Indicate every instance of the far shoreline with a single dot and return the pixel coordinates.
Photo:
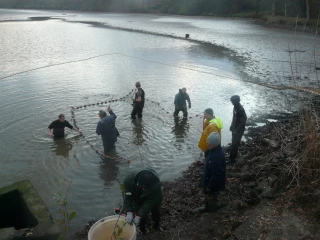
(271, 22)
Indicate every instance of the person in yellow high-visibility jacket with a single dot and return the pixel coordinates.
(210, 124)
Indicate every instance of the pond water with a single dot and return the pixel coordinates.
(30, 100)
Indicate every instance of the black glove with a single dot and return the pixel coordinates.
(189, 106)
(230, 129)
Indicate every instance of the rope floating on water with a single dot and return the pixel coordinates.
(311, 90)
(102, 155)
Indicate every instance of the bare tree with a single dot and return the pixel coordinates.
(257, 6)
(307, 10)
(287, 4)
(274, 2)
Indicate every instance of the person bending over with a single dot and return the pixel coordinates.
(138, 102)
(143, 195)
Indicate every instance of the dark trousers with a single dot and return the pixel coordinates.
(155, 216)
(107, 146)
(183, 109)
(137, 109)
(236, 140)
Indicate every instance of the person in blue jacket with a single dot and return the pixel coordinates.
(214, 177)
(107, 129)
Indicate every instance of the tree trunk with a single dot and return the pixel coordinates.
(274, 7)
(257, 6)
(285, 8)
(307, 10)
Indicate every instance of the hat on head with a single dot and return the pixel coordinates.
(146, 179)
(214, 139)
(235, 99)
(209, 111)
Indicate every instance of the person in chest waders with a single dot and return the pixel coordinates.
(138, 102)
(237, 127)
(143, 195)
(58, 127)
(107, 129)
(210, 124)
(180, 102)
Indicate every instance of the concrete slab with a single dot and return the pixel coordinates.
(27, 204)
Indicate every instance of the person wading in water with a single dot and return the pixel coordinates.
(180, 102)
(138, 102)
(58, 127)
(107, 129)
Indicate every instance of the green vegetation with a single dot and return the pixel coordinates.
(118, 231)
(67, 214)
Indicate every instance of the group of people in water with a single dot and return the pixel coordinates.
(142, 188)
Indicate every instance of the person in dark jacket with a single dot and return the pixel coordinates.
(142, 190)
(138, 102)
(107, 129)
(180, 102)
(214, 176)
(237, 127)
(58, 127)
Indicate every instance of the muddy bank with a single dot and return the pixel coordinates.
(260, 191)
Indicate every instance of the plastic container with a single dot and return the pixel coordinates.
(103, 229)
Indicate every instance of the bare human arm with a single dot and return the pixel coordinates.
(50, 133)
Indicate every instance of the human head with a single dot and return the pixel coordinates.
(213, 140)
(138, 84)
(102, 114)
(146, 179)
(208, 113)
(235, 99)
(61, 118)
(183, 90)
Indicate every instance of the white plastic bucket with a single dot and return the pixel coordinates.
(103, 229)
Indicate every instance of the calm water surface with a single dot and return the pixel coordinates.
(31, 100)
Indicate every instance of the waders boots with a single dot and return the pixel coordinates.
(211, 204)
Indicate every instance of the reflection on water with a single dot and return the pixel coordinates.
(181, 128)
(109, 171)
(62, 146)
(139, 132)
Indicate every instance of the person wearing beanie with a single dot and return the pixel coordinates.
(214, 176)
(210, 124)
(143, 195)
(237, 127)
(138, 102)
(107, 129)
(180, 102)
